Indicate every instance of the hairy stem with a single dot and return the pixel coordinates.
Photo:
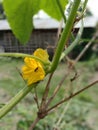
(65, 35)
(19, 96)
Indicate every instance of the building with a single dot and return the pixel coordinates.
(44, 35)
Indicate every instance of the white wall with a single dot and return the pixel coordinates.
(93, 5)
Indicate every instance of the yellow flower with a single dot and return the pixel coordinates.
(42, 54)
(32, 71)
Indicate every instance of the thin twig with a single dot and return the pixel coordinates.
(61, 10)
(62, 115)
(84, 6)
(59, 86)
(73, 95)
(63, 14)
(56, 90)
(87, 46)
(34, 123)
(66, 106)
(58, 33)
(44, 98)
(77, 59)
(20, 74)
(36, 98)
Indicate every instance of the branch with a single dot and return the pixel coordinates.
(62, 116)
(64, 54)
(87, 46)
(45, 95)
(84, 5)
(71, 96)
(36, 98)
(56, 90)
(59, 32)
(34, 123)
(61, 10)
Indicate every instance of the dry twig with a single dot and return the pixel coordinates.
(72, 95)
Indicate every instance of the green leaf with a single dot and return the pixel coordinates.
(52, 9)
(19, 14)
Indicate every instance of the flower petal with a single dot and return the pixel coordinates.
(42, 54)
(32, 71)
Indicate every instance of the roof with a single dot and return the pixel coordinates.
(50, 23)
(89, 22)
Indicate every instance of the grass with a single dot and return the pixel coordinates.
(82, 112)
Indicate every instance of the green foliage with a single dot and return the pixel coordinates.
(20, 14)
(52, 9)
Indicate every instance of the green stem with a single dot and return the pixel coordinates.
(65, 34)
(76, 41)
(22, 55)
(84, 5)
(61, 10)
(63, 15)
(5, 109)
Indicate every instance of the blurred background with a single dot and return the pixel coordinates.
(80, 113)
